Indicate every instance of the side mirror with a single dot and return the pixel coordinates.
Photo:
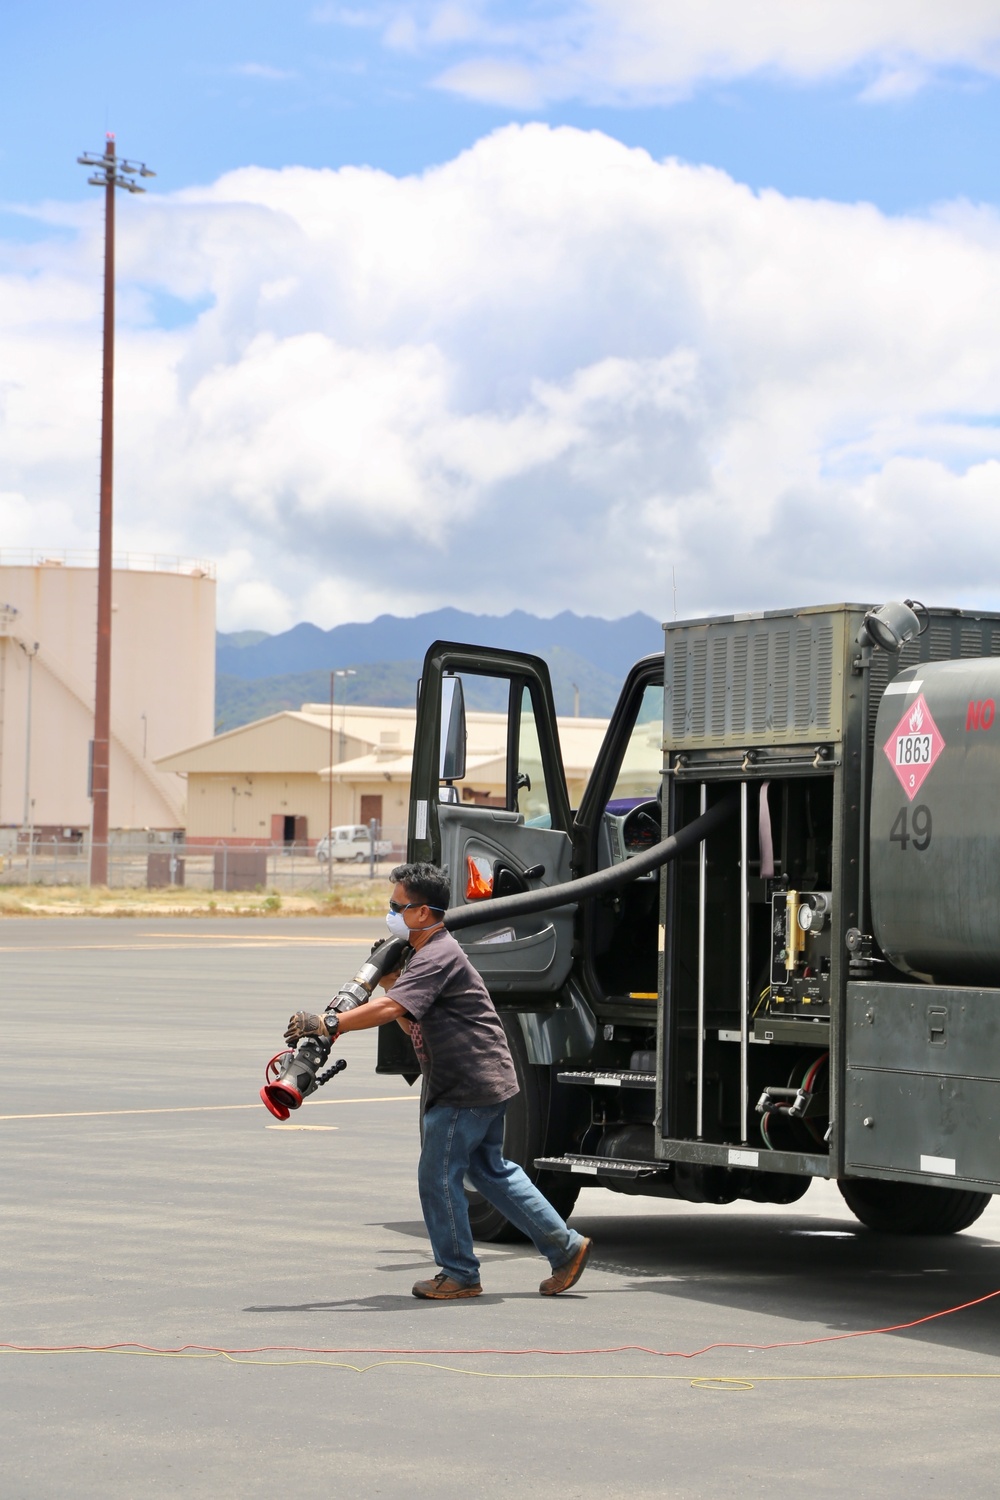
(452, 764)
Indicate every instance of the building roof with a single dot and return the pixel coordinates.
(373, 743)
(294, 742)
(580, 741)
(400, 767)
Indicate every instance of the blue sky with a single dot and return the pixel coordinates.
(202, 88)
(409, 301)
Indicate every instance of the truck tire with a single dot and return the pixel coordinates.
(911, 1207)
(524, 1138)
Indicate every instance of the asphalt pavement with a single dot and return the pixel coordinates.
(149, 1199)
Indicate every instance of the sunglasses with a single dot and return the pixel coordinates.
(397, 908)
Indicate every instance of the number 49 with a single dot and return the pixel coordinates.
(919, 831)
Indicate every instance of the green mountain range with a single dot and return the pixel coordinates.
(259, 674)
(393, 684)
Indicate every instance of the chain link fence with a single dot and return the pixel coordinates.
(151, 861)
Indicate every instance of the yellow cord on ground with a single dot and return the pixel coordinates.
(735, 1384)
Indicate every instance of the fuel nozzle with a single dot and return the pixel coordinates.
(293, 1075)
(385, 958)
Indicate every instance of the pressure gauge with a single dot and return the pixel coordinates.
(811, 920)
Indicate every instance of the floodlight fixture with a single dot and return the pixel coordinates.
(892, 625)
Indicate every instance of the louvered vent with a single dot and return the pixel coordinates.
(786, 678)
(743, 682)
(680, 689)
(758, 686)
(699, 686)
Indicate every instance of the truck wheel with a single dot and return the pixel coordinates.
(911, 1207)
(524, 1138)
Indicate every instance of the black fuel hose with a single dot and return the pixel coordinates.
(598, 884)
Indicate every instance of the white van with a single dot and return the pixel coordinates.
(351, 841)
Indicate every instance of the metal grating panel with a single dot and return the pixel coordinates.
(802, 717)
(758, 687)
(699, 688)
(720, 659)
(779, 681)
(751, 681)
(740, 646)
(786, 678)
(680, 684)
(823, 711)
(940, 640)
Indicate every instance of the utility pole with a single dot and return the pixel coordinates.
(110, 172)
(337, 672)
(30, 652)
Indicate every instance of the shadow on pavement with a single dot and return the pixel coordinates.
(810, 1270)
(387, 1302)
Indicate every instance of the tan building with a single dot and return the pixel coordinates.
(486, 761)
(162, 685)
(271, 781)
(262, 783)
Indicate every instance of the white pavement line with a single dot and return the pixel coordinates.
(261, 937)
(202, 1109)
(194, 944)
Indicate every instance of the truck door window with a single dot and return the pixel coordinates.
(487, 712)
(532, 795)
(638, 778)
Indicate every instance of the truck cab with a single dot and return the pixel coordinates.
(700, 1030)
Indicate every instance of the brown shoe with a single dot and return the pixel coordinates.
(443, 1289)
(568, 1275)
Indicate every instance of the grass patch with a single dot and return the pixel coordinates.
(362, 898)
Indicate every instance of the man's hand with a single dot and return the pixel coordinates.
(388, 980)
(304, 1023)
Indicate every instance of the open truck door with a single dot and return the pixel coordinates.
(488, 802)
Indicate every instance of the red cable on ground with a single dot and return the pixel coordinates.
(829, 1338)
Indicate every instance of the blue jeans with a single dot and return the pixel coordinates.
(460, 1143)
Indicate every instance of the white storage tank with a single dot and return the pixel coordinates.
(162, 684)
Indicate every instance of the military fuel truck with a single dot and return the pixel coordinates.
(765, 945)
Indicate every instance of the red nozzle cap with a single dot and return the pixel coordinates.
(280, 1100)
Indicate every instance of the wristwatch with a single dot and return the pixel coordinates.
(332, 1023)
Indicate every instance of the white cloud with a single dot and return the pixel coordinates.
(264, 71)
(654, 51)
(543, 375)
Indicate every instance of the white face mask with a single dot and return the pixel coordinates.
(396, 923)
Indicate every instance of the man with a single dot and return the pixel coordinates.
(442, 1002)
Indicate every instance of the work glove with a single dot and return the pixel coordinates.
(304, 1023)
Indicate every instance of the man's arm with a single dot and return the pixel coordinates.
(360, 1018)
(387, 981)
(374, 1013)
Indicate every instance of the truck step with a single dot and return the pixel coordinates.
(612, 1080)
(603, 1166)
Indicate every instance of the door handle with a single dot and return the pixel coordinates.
(508, 881)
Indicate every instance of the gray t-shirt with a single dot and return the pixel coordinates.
(456, 1033)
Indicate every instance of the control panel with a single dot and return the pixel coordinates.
(800, 954)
